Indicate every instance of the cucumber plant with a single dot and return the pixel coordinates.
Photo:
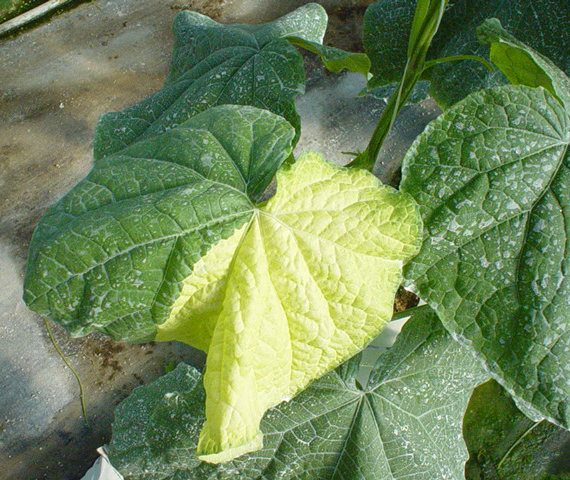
(166, 239)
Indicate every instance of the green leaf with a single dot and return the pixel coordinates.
(542, 24)
(405, 424)
(504, 444)
(112, 254)
(334, 58)
(217, 64)
(491, 176)
(521, 64)
(306, 284)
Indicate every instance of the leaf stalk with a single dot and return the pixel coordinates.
(64, 358)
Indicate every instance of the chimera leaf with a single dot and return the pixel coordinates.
(112, 254)
(305, 285)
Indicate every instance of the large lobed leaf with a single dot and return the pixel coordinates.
(307, 283)
(111, 255)
(404, 424)
(216, 64)
(162, 242)
(543, 24)
(492, 177)
(505, 444)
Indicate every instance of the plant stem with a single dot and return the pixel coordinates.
(409, 311)
(64, 358)
(426, 21)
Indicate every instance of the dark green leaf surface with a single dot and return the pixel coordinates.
(216, 64)
(504, 444)
(491, 176)
(386, 31)
(542, 24)
(406, 423)
(111, 254)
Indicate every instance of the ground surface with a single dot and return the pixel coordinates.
(55, 81)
